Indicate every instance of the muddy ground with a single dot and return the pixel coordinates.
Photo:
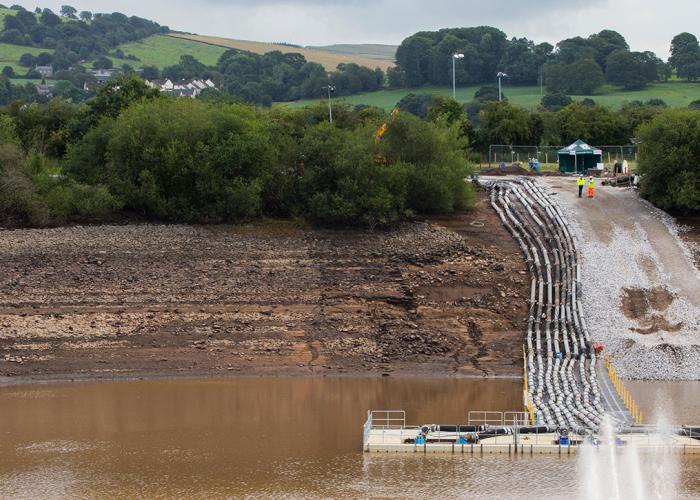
(445, 297)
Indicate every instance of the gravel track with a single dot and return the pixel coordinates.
(628, 247)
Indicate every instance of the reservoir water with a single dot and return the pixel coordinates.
(269, 438)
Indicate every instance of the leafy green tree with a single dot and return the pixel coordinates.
(111, 99)
(488, 93)
(48, 18)
(695, 104)
(414, 57)
(626, 70)
(636, 114)
(416, 104)
(20, 202)
(501, 123)
(522, 60)
(685, 56)
(43, 59)
(8, 131)
(188, 67)
(574, 49)
(445, 110)
(26, 60)
(396, 77)
(597, 125)
(150, 73)
(436, 165)
(605, 43)
(670, 160)
(8, 72)
(103, 62)
(583, 76)
(68, 11)
(555, 101)
(86, 15)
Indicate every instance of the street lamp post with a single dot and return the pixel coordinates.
(454, 74)
(330, 89)
(500, 93)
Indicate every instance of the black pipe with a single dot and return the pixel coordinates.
(459, 428)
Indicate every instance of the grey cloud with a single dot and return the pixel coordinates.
(645, 24)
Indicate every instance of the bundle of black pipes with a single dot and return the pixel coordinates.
(561, 375)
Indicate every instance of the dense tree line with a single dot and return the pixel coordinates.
(275, 76)
(575, 66)
(72, 39)
(558, 121)
(133, 150)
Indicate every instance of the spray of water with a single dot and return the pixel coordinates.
(642, 469)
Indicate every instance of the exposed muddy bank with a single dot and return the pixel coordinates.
(445, 297)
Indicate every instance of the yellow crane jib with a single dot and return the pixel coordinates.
(380, 132)
(385, 126)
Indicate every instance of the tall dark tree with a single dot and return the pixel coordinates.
(685, 56)
(68, 11)
(626, 70)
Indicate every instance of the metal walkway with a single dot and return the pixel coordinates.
(614, 406)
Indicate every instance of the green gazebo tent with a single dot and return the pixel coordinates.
(579, 157)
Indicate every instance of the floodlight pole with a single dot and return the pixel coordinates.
(454, 74)
(500, 93)
(330, 88)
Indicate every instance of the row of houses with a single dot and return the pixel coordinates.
(182, 88)
(191, 88)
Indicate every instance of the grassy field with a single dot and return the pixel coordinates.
(4, 12)
(678, 94)
(163, 50)
(329, 60)
(10, 54)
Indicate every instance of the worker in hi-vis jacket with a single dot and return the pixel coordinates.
(581, 183)
(591, 187)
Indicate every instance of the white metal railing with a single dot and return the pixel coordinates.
(498, 418)
(387, 419)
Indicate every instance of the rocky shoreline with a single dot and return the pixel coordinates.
(441, 297)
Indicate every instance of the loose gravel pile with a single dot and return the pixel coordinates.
(659, 355)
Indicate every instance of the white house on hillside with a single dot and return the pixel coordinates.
(182, 88)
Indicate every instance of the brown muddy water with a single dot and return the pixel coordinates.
(261, 438)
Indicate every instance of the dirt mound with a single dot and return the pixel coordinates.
(644, 305)
(508, 170)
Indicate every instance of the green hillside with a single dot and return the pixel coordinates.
(162, 51)
(10, 54)
(678, 94)
(4, 12)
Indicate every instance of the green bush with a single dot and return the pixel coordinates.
(670, 160)
(180, 159)
(20, 202)
(345, 182)
(196, 161)
(70, 201)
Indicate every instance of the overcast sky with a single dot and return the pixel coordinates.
(647, 24)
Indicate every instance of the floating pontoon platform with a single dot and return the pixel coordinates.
(387, 432)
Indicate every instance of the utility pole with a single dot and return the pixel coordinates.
(330, 89)
(454, 74)
(500, 93)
